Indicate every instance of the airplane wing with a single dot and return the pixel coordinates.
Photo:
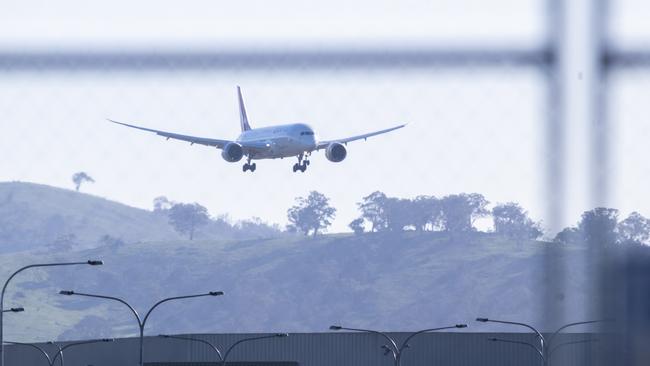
(191, 139)
(324, 144)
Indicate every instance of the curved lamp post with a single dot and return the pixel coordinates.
(542, 340)
(52, 360)
(392, 346)
(4, 289)
(223, 358)
(539, 351)
(198, 340)
(544, 350)
(552, 350)
(61, 349)
(141, 321)
(39, 349)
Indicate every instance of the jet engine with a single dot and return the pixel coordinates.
(232, 152)
(336, 152)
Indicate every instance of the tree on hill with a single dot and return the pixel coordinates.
(459, 211)
(311, 213)
(372, 209)
(395, 214)
(599, 226)
(357, 226)
(634, 229)
(512, 221)
(187, 217)
(81, 177)
(568, 236)
(426, 213)
(399, 213)
(161, 204)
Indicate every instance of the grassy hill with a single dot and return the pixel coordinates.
(399, 281)
(34, 215)
(396, 281)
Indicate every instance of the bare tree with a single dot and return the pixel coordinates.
(81, 177)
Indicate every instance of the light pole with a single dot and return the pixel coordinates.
(539, 351)
(13, 310)
(223, 358)
(544, 349)
(61, 349)
(39, 349)
(141, 321)
(198, 340)
(4, 289)
(52, 360)
(392, 346)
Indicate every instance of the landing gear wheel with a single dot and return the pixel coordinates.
(301, 164)
(246, 167)
(252, 167)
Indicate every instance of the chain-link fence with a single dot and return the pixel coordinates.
(508, 111)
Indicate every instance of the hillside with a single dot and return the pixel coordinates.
(34, 215)
(388, 281)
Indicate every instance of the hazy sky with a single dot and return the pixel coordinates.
(471, 130)
(260, 22)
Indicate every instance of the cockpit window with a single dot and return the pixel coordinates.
(308, 133)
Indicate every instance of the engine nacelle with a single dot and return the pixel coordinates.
(336, 152)
(232, 152)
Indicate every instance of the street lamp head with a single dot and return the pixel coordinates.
(17, 310)
(66, 292)
(281, 335)
(95, 262)
(482, 320)
(215, 293)
(461, 325)
(336, 327)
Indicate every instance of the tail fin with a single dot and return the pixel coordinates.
(243, 119)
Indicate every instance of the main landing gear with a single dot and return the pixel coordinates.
(301, 164)
(249, 166)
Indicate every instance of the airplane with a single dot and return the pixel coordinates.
(281, 141)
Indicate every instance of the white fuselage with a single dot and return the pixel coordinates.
(284, 140)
